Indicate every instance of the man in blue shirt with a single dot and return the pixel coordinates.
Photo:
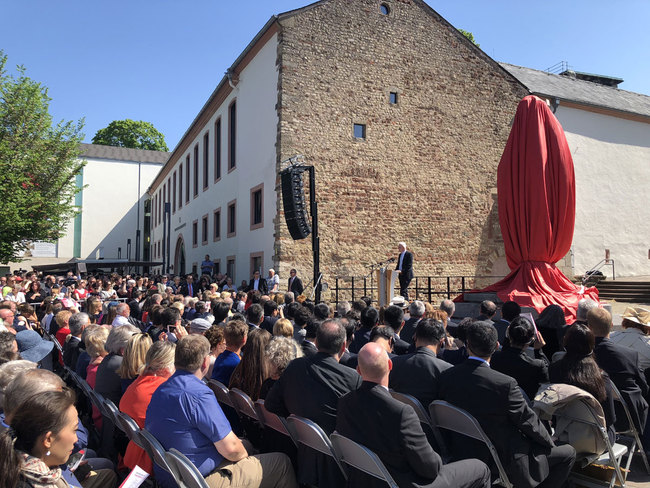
(235, 333)
(184, 414)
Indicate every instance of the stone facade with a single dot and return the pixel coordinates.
(426, 171)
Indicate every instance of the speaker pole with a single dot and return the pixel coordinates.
(315, 241)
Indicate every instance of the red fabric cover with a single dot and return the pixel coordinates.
(536, 194)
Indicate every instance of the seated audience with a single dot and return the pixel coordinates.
(215, 334)
(636, 327)
(108, 382)
(551, 323)
(347, 358)
(236, 334)
(513, 359)
(578, 368)
(32, 347)
(308, 344)
(280, 351)
(159, 366)
(416, 312)
(509, 310)
(417, 374)
(254, 316)
(321, 375)
(283, 328)
(73, 346)
(529, 455)
(458, 354)
(252, 370)
(133, 359)
(184, 414)
(487, 310)
(8, 347)
(369, 319)
(371, 417)
(8, 371)
(394, 318)
(271, 315)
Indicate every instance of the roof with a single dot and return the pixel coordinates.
(123, 153)
(581, 91)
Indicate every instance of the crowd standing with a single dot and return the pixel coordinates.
(151, 344)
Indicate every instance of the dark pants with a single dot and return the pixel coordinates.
(468, 473)
(560, 462)
(403, 286)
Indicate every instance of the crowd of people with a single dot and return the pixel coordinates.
(150, 345)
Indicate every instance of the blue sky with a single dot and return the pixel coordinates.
(159, 60)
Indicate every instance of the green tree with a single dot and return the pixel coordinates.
(38, 165)
(135, 134)
(470, 36)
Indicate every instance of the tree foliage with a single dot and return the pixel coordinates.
(470, 36)
(38, 165)
(135, 134)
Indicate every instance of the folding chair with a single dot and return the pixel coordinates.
(221, 392)
(190, 476)
(112, 412)
(631, 431)
(248, 415)
(311, 435)
(446, 416)
(425, 420)
(156, 452)
(361, 458)
(272, 421)
(127, 425)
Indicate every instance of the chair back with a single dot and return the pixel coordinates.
(272, 421)
(190, 476)
(446, 416)
(243, 404)
(112, 411)
(156, 452)
(361, 458)
(127, 425)
(221, 392)
(310, 434)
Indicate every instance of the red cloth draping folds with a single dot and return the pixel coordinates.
(536, 195)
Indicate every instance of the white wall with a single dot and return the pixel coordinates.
(611, 156)
(256, 95)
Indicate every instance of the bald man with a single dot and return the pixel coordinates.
(392, 430)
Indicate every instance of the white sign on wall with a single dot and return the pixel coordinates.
(43, 249)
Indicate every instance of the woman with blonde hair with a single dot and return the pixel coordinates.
(283, 328)
(133, 361)
(158, 367)
(94, 309)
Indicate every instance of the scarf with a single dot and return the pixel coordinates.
(36, 473)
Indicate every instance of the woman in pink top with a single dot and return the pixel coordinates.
(159, 366)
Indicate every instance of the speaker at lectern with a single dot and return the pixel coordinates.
(386, 279)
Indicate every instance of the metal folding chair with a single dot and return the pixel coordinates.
(272, 421)
(190, 476)
(360, 457)
(156, 452)
(221, 391)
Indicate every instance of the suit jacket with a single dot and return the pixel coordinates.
(308, 348)
(622, 365)
(184, 289)
(349, 359)
(268, 323)
(407, 265)
(361, 338)
(326, 381)
(417, 375)
(71, 351)
(401, 346)
(296, 287)
(262, 287)
(407, 332)
(391, 429)
(528, 372)
(501, 326)
(496, 402)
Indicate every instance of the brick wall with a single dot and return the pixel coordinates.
(426, 173)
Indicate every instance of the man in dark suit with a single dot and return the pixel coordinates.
(394, 317)
(371, 417)
(622, 365)
(348, 358)
(255, 316)
(417, 374)
(295, 283)
(515, 361)
(487, 311)
(509, 310)
(416, 311)
(73, 346)
(257, 283)
(311, 386)
(405, 266)
(270, 316)
(189, 288)
(308, 344)
(369, 319)
(529, 455)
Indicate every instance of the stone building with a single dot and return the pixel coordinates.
(402, 117)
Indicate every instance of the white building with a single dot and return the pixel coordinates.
(608, 131)
(114, 184)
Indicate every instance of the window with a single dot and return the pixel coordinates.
(206, 140)
(195, 233)
(174, 193)
(217, 149)
(217, 266)
(155, 208)
(384, 9)
(392, 98)
(359, 131)
(257, 199)
(216, 224)
(204, 230)
(230, 267)
(232, 136)
(180, 185)
(187, 179)
(169, 190)
(257, 261)
(196, 170)
(232, 228)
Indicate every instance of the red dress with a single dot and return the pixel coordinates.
(60, 335)
(134, 403)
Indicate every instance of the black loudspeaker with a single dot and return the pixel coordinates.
(293, 199)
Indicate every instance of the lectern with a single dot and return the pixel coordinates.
(386, 285)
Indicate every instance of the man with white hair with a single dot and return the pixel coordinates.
(584, 306)
(72, 347)
(405, 267)
(416, 311)
(272, 282)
